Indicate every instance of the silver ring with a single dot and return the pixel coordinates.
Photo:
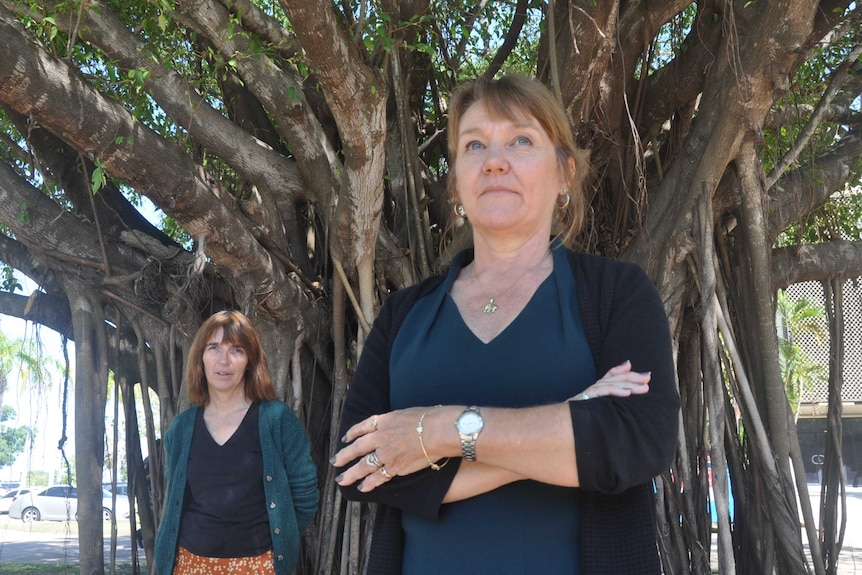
(374, 423)
(372, 459)
(385, 473)
(584, 395)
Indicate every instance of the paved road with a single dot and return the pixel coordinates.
(20, 546)
(850, 559)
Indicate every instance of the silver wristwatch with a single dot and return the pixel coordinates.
(469, 424)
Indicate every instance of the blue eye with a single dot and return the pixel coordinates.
(474, 145)
(523, 141)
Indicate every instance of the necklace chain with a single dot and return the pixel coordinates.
(491, 306)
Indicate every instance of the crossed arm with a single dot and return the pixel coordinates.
(528, 443)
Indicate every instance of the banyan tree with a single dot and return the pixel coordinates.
(293, 153)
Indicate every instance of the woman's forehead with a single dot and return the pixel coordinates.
(498, 109)
(224, 334)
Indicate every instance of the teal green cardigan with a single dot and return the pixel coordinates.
(289, 482)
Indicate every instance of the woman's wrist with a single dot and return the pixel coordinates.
(420, 429)
(440, 435)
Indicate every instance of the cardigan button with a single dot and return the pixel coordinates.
(276, 531)
(272, 505)
(280, 557)
(269, 477)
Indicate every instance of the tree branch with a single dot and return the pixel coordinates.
(188, 107)
(839, 77)
(357, 97)
(817, 262)
(101, 128)
(281, 93)
(511, 39)
(803, 190)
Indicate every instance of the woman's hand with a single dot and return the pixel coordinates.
(620, 381)
(386, 445)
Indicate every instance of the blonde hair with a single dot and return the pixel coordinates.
(238, 330)
(510, 97)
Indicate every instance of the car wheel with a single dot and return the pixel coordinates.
(30, 514)
(106, 514)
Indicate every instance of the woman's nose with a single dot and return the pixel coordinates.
(495, 160)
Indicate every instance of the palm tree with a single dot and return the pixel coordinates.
(797, 319)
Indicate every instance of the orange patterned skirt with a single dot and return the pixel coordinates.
(188, 563)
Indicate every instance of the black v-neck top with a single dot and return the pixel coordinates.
(224, 514)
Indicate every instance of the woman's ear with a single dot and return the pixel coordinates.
(572, 169)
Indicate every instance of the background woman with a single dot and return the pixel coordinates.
(241, 483)
(544, 376)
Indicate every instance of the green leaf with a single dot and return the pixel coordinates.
(98, 178)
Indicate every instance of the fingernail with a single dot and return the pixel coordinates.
(332, 460)
(361, 487)
(344, 439)
(339, 477)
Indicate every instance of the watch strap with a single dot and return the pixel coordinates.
(468, 447)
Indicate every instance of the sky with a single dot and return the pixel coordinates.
(41, 409)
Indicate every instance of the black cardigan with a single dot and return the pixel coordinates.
(622, 443)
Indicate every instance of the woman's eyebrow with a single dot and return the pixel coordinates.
(517, 125)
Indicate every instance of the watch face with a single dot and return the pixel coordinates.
(470, 422)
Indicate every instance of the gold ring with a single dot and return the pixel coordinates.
(374, 423)
(385, 473)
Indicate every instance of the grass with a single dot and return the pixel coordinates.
(69, 528)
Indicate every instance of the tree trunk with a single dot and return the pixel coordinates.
(833, 491)
(91, 375)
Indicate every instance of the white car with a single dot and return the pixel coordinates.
(59, 503)
(9, 497)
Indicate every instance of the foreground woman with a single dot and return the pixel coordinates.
(509, 416)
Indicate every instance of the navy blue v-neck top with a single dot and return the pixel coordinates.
(541, 357)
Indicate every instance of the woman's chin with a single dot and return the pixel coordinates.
(499, 219)
(506, 225)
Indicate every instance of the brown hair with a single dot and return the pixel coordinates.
(515, 96)
(238, 330)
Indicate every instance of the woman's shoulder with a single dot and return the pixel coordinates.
(598, 262)
(404, 298)
(185, 417)
(603, 269)
(408, 295)
(180, 429)
(274, 411)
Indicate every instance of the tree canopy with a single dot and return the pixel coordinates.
(296, 153)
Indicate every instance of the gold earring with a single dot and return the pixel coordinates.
(565, 204)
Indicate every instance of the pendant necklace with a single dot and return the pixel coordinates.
(491, 306)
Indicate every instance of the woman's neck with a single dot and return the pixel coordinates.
(223, 404)
(508, 254)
